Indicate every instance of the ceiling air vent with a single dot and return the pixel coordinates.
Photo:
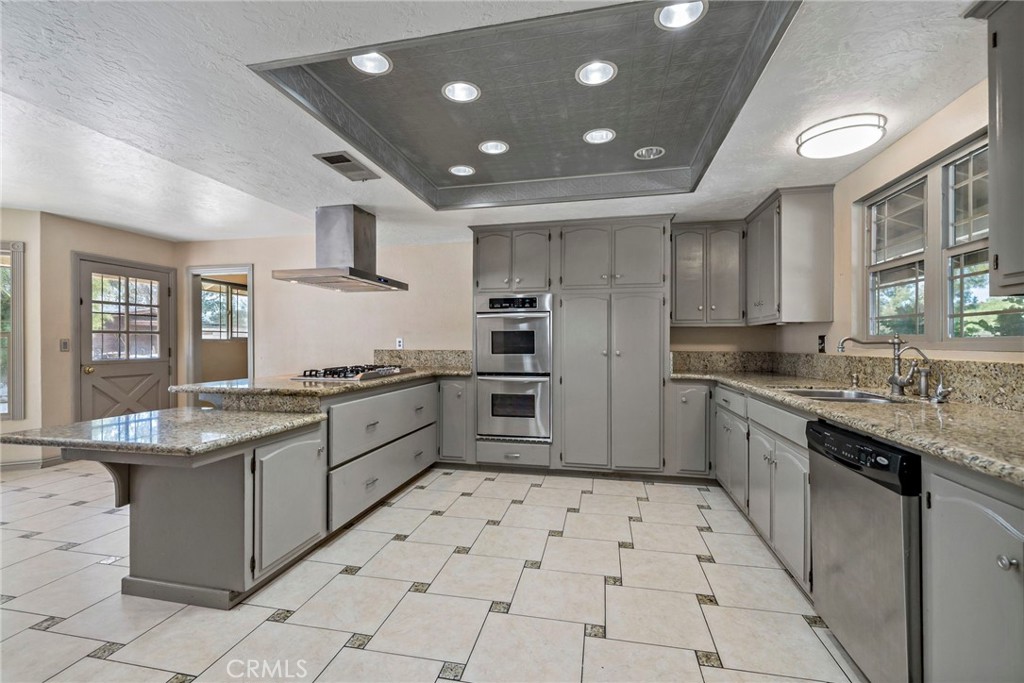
(347, 166)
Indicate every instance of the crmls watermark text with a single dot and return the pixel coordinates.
(265, 668)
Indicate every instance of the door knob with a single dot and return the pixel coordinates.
(88, 369)
(1006, 564)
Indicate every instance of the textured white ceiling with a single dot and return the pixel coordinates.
(99, 89)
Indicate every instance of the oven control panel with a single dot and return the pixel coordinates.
(513, 302)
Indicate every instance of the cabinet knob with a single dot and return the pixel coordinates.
(605, 352)
(700, 308)
(618, 275)
(1006, 564)
(604, 276)
(712, 307)
(518, 280)
(505, 281)
(459, 395)
(682, 399)
(618, 353)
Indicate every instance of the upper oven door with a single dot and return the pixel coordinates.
(513, 343)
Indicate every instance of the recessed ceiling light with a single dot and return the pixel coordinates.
(461, 91)
(680, 15)
(596, 72)
(371, 63)
(493, 147)
(648, 153)
(841, 136)
(599, 136)
(462, 169)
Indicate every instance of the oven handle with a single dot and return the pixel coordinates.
(514, 315)
(522, 380)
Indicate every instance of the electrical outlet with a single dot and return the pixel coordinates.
(65, 345)
(821, 343)
(399, 343)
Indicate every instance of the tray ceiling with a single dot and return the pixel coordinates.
(680, 90)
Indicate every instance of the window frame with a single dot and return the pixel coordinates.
(230, 288)
(16, 348)
(936, 255)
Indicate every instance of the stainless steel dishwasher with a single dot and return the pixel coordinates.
(866, 549)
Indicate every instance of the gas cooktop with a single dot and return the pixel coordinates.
(351, 373)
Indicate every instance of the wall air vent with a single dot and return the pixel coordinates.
(347, 166)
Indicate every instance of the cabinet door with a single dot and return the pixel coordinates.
(639, 255)
(586, 257)
(754, 304)
(688, 276)
(722, 466)
(290, 490)
(530, 259)
(637, 333)
(973, 609)
(584, 389)
(738, 459)
(790, 499)
(725, 298)
(686, 428)
(454, 419)
(768, 264)
(494, 261)
(761, 456)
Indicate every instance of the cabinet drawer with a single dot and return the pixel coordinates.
(367, 423)
(358, 485)
(731, 400)
(508, 453)
(782, 422)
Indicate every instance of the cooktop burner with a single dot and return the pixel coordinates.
(352, 373)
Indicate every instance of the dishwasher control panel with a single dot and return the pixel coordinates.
(895, 469)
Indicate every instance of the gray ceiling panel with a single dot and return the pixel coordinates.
(680, 90)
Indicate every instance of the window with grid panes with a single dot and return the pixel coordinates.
(896, 283)
(224, 310)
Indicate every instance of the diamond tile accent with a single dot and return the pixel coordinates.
(556, 534)
(350, 570)
(49, 495)
(281, 615)
(447, 474)
(707, 559)
(111, 511)
(419, 487)
(67, 546)
(703, 507)
(643, 500)
(535, 485)
(452, 671)
(5, 598)
(501, 607)
(105, 650)
(359, 641)
(437, 513)
(703, 488)
(490, 478)
(113, 559)
(419, 587)
(532, 564)
(387, 504)
(467, 493)
(704, 529)
(594, 631)
(46, 624)
(30, 534)
(588, 492)
(493, 522)
(576, 510)
(709, 659)
(815, 621)
(613, 580)
(461, 550)
(517, 502)
(626, 544)
(704, 599)
(634, 518)
(181, 678)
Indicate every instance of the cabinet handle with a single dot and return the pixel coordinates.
(725, 401)
(1006, 564)
(419, 408)
(417, 454)
(373, 424)
(513, 455)
(371, 482)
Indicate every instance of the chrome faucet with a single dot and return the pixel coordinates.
(923, 373)
(896, 382)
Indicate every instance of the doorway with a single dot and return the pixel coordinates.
(125, 336)
(220, 323)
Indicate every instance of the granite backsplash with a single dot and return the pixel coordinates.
(980, 383)
(424, 359)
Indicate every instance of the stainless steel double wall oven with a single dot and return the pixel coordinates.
(513, 366)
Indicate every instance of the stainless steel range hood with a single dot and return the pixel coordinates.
(346, 253)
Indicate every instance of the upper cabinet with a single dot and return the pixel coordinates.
(789, 258)
(626, 254)
(707, 274)
(1006, 147)
(512, 260)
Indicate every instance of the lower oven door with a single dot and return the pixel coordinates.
(517, 407)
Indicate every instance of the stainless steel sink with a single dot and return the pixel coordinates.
(844, 395)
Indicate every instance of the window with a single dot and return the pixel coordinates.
(225, 310)
(12, 332)
(125, 317)
(922, 240)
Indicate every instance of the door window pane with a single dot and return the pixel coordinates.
(897, 300)
(898, 224)
(125, 318)
(973, 313)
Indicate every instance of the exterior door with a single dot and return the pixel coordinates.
(584, 389)
(639, 256)
(688, 287)
(586, 257)
(762, 456)
(530, 257)
(637, 331)
(494, 261)
(724, 295)
(125, 316)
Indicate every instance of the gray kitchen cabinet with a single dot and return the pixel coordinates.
(584, 406)
(759, 493)
(972, 584)
(624, 253)
(707, 274)
(455, 419)
(636, 358)
(789, 258)
(493, 261)
(530, 259)
(586, 257)
(686, 421)
(731, 454)
(638, 255)
(791, 508)
(290, 496)
(512, 260)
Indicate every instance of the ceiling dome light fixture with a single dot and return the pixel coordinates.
(461, 91)
(841, 136)
(462, 170)
(493, 147)
(373, 63)
(648, 153)
(597, 72)
(680, 15)
(599, 136)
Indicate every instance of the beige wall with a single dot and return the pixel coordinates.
(760, 338)
(954, 124)
(223, 359)
(23, 226)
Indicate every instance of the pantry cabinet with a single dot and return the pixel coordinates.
(686, 428)
(602, 255)
(789, 258)
(512, 260)
(707, 274)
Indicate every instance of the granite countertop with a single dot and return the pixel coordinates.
(981, 438)
(184, 432)
(284, 385)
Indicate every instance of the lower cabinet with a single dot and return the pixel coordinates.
(686, 420)
(455, 418)
(290, 496)
(731, 454)
(972, 546)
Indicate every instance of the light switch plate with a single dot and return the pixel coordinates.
(65, 346)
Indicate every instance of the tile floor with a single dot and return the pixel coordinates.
(464, 575)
